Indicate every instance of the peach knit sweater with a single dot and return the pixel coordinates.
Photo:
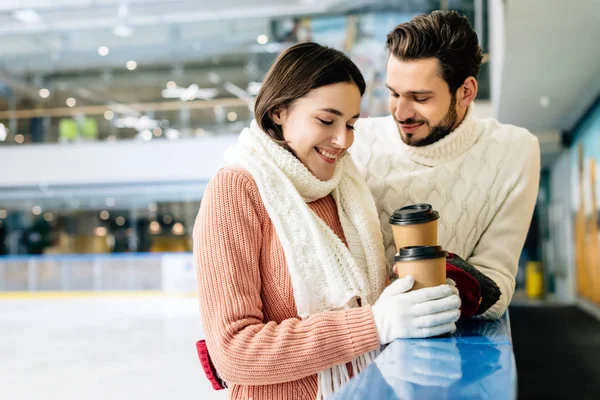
(255, 338)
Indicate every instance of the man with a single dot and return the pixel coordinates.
(482, 176)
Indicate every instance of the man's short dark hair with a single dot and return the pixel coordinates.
(445, 35)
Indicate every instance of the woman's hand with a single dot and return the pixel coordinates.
(418, 314)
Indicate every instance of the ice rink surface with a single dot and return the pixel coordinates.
(101, 348)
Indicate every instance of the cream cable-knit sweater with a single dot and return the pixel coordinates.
(483, 178)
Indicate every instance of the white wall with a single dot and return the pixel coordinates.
(496, 17)
(116, 162)
(561, 259)
(550, 49)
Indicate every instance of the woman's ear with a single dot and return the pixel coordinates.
(278, 115)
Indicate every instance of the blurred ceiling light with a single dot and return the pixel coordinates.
(19, 138)
(172, 133)
(44, 93)
(140, 124)
(131, 65)
(232, 116)
(100, 231)
(48, 217)
(146, 135)
(108, 115)
(152, 207)
(119, 108)
(120, 123)
(104, 215)
(213, 77)
(127, 122)
(157, 131)
(3, 132)
(253, 88)
(71, 102)
(262, 39)
(36, 210)
(154, 227)
(146, 123)
(122, 30)
(171, 85)
(191, 93)
(27, 16)
(120, 221)
(103, 50)
(178, 229)
(239, 92)
(3, 214)
(110, 202)
(545, 101)
(167, 219)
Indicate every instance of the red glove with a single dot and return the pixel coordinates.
(477, 291)
(208, 367)
(468, 289)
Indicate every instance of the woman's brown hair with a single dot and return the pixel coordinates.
(298, 70)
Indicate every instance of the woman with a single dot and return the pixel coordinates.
(288, 244)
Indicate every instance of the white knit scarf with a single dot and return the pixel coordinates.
(326, 275)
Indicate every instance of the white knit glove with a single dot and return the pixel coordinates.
(418, 314)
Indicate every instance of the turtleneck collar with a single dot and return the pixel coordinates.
(456, 143)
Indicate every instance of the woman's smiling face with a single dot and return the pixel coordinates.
(319, 127)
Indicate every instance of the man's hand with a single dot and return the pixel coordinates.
(477, 291)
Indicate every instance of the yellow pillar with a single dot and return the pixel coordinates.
(534, 280)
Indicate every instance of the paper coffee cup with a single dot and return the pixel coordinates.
(415, 225)
(426, 264)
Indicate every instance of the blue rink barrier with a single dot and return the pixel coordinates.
(476, 362)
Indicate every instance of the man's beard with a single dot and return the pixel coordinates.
(436, 133)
